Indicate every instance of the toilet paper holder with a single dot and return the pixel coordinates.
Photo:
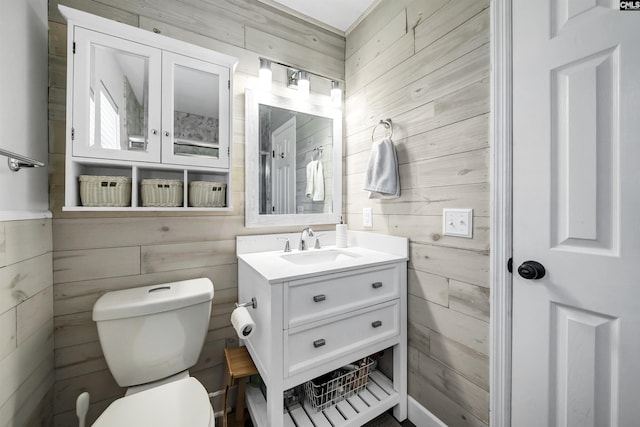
(253, 304)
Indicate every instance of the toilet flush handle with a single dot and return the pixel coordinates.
(82, 407)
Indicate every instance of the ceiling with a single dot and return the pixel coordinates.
(339, 14)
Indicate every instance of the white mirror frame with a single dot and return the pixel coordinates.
(253, 100)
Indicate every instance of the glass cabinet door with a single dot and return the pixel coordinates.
(116, 98)
(195, 112)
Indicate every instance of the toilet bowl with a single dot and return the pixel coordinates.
(150, 337)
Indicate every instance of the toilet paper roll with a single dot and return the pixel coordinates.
(242, 322)
(341, 235)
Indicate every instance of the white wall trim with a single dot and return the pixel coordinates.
(501, 213)
(421, 416)
(23, 215)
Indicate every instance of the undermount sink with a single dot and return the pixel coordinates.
(311, 256)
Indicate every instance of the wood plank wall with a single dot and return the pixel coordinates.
(425, 65)
(95, 253)
(26, 323)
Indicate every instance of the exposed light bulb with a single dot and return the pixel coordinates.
(265, 75)
(303, 83)
(336, 94)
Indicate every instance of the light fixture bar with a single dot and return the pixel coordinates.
(294, 76)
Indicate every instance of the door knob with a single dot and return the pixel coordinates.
(531, 270)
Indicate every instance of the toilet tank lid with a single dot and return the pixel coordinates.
(152, 299)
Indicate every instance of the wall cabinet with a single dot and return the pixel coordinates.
(143, 105)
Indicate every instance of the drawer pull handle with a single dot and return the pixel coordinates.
(376, 324)
(376, 285)
(319, 343)
(319, 298)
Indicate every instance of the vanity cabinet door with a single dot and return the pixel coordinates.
(116, 98)
(195, 112)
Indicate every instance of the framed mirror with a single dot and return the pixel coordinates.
(293, 161)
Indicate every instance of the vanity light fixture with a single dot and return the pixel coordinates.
(292, 78)
(336, 94)
(264, 75)
(296, 79)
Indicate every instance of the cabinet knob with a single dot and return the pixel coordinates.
(166, 133)
(154, 131)
(319, 343)
(376, 324)
(376, 285)
(318, 298)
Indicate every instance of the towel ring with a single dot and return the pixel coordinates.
(388, 125)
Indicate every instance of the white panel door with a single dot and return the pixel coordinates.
(283, 171)
(576, 106)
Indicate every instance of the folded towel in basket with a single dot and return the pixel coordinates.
(382, 177)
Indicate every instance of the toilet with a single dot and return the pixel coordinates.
(150, 337)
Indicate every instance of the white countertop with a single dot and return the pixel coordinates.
(274, 266)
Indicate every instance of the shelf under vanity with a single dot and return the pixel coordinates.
(377, 397)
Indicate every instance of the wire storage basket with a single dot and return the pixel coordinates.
(162, 192)
(105, 191)
(329, 389)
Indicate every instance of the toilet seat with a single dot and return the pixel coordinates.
(180, 403)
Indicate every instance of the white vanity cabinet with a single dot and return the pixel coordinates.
(314, 324)
(142, 105)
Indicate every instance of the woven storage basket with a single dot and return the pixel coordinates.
(162, 192)
(207, 194)
(105, 191)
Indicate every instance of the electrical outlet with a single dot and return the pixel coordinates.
(367, 217)
(457, 222)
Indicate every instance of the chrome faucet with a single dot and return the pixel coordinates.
(303, 244)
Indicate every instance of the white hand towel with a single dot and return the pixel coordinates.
(315, 181)
(382, 177)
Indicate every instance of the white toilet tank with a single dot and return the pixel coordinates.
(153, 332)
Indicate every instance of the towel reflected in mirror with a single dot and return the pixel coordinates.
(315, 181)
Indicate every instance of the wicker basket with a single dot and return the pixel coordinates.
(336, 386)
(207, 194)
(162, 192)
(105, 191)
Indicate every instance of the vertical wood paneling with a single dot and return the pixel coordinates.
(433, 83)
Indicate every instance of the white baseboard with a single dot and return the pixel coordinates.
(420, 416)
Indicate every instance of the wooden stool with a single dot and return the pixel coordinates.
(239, 366)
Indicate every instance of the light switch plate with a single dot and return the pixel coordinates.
(457, 222)
(367, 217)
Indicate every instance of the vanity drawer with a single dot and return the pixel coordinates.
(310, 345)
(309, 300)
